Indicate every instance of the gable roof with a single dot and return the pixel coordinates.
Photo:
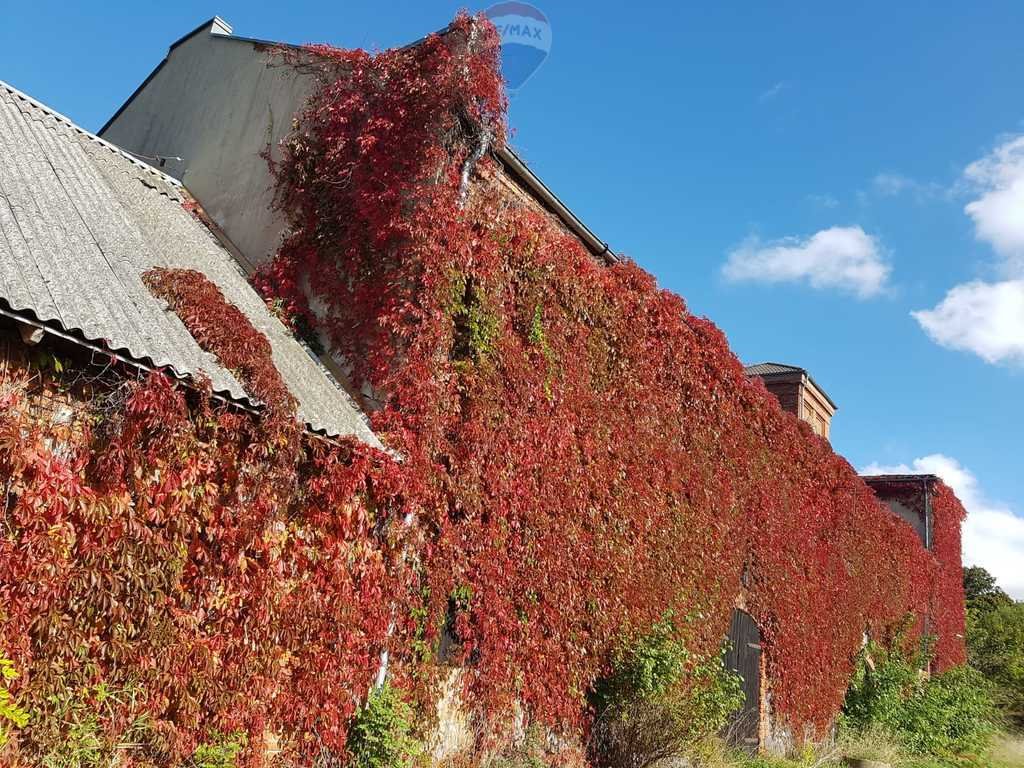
(81, 221)
(217, 29)
(771, 369)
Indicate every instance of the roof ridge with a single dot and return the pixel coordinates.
(902, 476)
(788, 366)
(50, 111)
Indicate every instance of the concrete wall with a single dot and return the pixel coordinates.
(218, 102)
(917, 521)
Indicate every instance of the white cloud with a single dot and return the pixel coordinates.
(993, 536)
(846, 258)
(894, 184)
(998, 213)
(891, 184)
(771, 93)
(984, 318)
(987, 318)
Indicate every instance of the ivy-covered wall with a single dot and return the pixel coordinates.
(586, 453)
(176, 575)
(579, 456)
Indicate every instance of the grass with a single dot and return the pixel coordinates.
(1007, 751)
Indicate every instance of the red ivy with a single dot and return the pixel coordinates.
(580, 454)
(221, 328)
(180, 558)
(947, 615)
(583, 453)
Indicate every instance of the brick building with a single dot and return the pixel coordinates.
(84, 217)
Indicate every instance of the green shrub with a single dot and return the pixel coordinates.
(380, 735)
(948, 714)
(645, 668)
(221, 751)
(11, 715)
(879, 689)
(659, 700)
(995, 647)
(981, 592)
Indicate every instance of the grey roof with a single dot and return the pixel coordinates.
(771, 369)
(781, 369)
(81, 221)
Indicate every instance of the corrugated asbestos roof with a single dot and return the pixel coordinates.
(769, 369)
(81, 221)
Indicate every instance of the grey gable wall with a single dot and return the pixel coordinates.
(218, 102)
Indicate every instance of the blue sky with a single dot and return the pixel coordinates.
(807, 176)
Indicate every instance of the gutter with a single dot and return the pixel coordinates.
(38, 330)
(543, 193)
(25, 321)
(822, 391)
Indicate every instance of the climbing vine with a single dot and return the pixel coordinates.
(948, 612)
(583, 453)
(220, 327)
(580, 456)
(171, 570)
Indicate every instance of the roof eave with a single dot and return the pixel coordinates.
(905, 478)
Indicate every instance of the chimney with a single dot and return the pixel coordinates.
(219, 27)
(798, 393)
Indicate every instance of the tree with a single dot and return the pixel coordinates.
(981, 590)
(995, 639)
(995, 647)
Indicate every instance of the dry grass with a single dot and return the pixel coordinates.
(874, 745)
(1008, 752)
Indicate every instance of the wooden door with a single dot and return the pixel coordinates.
(743, 656)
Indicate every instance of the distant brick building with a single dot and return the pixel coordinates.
(798, 394)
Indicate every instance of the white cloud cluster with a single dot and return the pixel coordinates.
(891, 184)
(998, 213)
(987, 318)
(993, 536)
(984, 318)
(894, 184)
(846, 258)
